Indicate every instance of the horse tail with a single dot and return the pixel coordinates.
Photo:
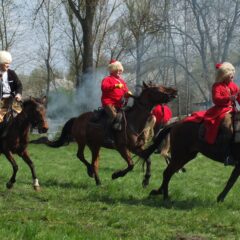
(145, 154)
(65, 136)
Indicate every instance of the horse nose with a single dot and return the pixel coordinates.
(42, 130)
(45, 130)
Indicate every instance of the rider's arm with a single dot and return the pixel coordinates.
(221, 95)
(17, 84)
(108, 84)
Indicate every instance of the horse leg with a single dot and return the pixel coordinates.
(172, 168)
(30, 164)
(95, 163)
(120, 173)
(80, 155)
(12, 180)
(168, 160)
(165, 151)
(147, 175)
(233, 178)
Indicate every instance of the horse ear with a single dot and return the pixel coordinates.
(32, 98)
(44, 100)
(145, 85)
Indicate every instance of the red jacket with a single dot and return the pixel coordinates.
(221, 93)
(110, 94)
(162, 113)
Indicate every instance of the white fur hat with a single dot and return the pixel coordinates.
(115, 65)
(224, 70)
(5, 57)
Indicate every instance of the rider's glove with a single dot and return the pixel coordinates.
(128, 94)
(18, 97)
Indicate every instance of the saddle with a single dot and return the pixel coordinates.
(99, 117)
(221, 138)
(101, 120)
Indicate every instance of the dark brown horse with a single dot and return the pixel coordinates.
(185, 143)
(15, 136)
(129, 139)
(164, 148)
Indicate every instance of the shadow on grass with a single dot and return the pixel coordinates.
(98, 195)
(156, 202)
(64, 185)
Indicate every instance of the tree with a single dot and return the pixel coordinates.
(74, 51)
(9, 23)
(48, 37)
(139, 21)
(84, 11)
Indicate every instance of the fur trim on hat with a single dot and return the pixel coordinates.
(226, 69)
(5, 57)
(114, 66)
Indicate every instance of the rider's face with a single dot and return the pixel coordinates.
(229, 78)
(4, 66)
(117, 73)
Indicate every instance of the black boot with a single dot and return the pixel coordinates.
(108, 134)
(117, 123)
(108, 140)
(229, 159)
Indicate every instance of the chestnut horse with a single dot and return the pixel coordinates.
(129, 139)
(15, 138)
(185, 143)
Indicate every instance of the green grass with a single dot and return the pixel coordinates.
(70, 206)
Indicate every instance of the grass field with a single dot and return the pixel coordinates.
(70, 206)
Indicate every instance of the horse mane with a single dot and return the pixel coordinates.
(136, 99)
(31, 100)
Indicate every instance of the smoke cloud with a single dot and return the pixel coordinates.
(64, 105)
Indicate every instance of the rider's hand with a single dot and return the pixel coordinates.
(118, 85)
(128, 94)
(18, 97)
(233, 98)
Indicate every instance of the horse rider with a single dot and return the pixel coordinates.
(159, 117)
(162, 114)
(225, 93)
(115, 93)
(10, 85)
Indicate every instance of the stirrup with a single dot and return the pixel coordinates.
(117, 126)
(229, 160)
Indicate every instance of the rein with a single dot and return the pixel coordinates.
(141, 106)
(9, 114)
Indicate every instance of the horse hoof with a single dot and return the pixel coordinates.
(154, 193)
(145, 183)
(9, 185)
(37, 188)
(184, 170)
(90, 172)
(114, 176)
(98, 182)
(220, 199)
(117, 175)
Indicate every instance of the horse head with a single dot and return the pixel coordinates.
(36, 111)
(157, 94)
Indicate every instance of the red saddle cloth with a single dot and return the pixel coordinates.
(212, 119)
(223, 104)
